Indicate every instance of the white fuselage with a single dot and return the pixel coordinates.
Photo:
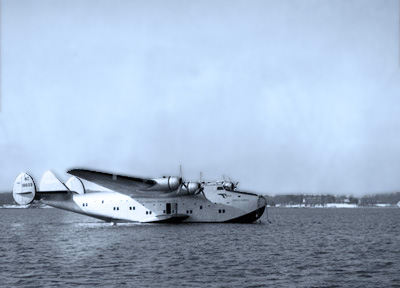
(166, 199)
(214, 206)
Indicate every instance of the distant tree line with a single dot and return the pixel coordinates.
(392, 198)
(6, 198)
(323, 199)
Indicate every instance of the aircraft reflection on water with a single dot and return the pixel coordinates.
(132, 199)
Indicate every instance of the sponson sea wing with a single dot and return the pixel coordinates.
(118, 183)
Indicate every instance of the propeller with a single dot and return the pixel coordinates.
(183, 184)
(187, 185)
(228, 183)
(201, 191)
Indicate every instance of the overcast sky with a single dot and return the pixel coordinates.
(283, 96)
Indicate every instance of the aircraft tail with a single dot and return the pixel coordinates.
(50, 183)
(24, 189)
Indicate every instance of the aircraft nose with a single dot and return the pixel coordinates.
(261, 201)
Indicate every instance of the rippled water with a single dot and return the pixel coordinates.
(300, 247)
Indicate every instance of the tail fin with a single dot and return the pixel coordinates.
(75, 184)
(24, 189)
(50, 183)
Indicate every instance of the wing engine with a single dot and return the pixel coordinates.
(170, 183)
(192, 188)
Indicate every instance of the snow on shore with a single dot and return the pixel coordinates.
(335, 205)
(341, 205)
(13, 206)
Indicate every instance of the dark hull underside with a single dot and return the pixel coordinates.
(248, 218)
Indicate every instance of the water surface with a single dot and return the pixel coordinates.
(299, 248)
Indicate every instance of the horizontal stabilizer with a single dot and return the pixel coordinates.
(50, 183)
(21, 192)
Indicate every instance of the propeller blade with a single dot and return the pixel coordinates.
(179, 189)
(200, 190)
(181, 180)
(183, 184)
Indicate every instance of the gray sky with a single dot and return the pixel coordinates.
(283, 96)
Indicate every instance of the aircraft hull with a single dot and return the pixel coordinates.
(139, 200)
(116, 207)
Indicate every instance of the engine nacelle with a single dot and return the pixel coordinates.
(170, 183)
(229, 186)
(24, 189)
(191, 187)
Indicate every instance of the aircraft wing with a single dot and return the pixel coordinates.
(131, 186)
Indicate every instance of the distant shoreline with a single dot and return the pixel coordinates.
(333, 205)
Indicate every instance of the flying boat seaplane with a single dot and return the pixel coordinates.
(131, 199)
